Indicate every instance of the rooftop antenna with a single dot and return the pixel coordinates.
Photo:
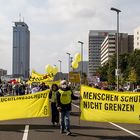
(19, 17)
(23, 19)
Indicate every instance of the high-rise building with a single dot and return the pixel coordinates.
(3, 72)
(125, 43)
(21, 50)
(96, 37)
(108, 47)
(130, 43)
(137, 38)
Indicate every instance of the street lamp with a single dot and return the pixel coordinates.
(68, 61)
(60, 64)
(81, 57)
(68, 64)
(71, 59)
(117, 69)
(59, 76)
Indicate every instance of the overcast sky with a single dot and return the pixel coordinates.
(57, 25)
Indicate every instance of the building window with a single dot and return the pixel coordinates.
(137, 33)
(137, 38)
(137, 43)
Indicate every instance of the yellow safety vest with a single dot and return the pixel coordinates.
(65, 96)
(53, 98)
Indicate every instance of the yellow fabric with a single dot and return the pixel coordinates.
(26, 106)
(53, 98)
(109, 106)
(36, 77)
(65, 96)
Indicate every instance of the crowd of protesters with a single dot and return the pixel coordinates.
(127, 88)
(60, 98)
(20, 88)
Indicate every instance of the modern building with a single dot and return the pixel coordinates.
(126, 44)
(21, 50)
(130, 43)
(3, 72)
(137, 38)
(108, 47)
(96, 37)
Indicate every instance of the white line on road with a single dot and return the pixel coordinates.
(26, 130)
(130, 132)
(126, 130)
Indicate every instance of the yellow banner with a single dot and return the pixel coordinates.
(26, 106)
(39, 78)
(74, 77)
(108, 106)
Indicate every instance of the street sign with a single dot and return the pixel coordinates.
(117, 72)
(74, 77)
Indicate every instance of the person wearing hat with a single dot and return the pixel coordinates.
(64, 98)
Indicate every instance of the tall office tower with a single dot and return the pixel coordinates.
(21, 50)
(96, 37)
(130, 43)
(108, 47)
(137, 38)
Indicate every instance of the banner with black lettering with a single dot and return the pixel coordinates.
(25, 106)
(39, 78)
(109, 106)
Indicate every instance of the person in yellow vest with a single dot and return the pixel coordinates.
(52, 97)
(64, 99)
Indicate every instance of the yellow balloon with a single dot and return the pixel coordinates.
(55, 70)
(33, 71)
(78, 57)
(48, 68)
(75, 64)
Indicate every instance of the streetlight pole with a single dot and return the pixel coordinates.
(68, 61)
(81, 58)
(68, 64)
(60, 64)
(60, 69)
(117, 45)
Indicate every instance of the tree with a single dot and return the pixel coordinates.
(135, 63)
(132, 77)
(129, 65)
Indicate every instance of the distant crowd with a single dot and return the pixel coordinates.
(10, 89)
(22, 88)
(121, 89)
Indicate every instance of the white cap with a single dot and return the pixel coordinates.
(63, 82)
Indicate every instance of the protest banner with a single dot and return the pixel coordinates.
(25, 106)
(109, 106)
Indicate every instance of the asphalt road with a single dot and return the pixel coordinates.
(41, 129)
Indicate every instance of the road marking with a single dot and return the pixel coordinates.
(26, 130)
(126, 130)
(75, 105)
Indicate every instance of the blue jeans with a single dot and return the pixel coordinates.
(65, 120)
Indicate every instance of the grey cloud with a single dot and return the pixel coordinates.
(85, 13)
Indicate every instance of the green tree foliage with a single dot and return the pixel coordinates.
(129, 65)
(132, 77)
(135, 63)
